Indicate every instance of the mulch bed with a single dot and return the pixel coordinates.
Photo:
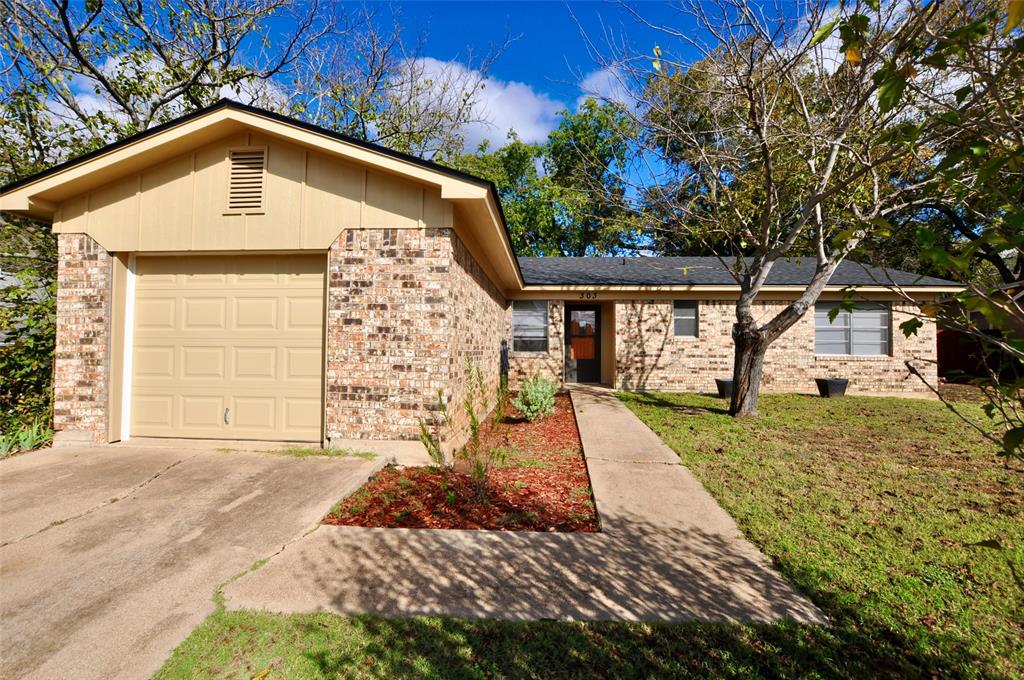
(542, 485)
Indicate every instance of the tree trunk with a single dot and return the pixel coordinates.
(750, 345)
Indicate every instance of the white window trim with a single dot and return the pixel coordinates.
(696, 321)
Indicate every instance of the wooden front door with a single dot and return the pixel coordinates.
(583, 344)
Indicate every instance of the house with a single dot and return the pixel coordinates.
(237, 274)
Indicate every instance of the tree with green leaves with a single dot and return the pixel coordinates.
(566, 196)
(527, 196)
(586, 158)
(969, 224)
(788, 137)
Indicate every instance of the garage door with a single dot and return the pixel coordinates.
(228, 347)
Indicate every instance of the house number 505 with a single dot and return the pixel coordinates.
(588, 295)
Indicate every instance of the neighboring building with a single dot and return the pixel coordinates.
(236, 274)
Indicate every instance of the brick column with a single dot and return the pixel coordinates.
(389, 346)
(82, 361)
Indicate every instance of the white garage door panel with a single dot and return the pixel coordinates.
(228, 347)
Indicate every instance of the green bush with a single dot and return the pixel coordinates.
(26, 360)
(536, 398)
(25, 438)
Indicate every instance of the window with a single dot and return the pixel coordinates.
(530, 326)
(863, 331)
(684, 318)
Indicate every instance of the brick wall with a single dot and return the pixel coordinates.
(480, 314)
(650, 357)
(81, 365)
(405, 309)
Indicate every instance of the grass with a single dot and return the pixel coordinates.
(898, 521)
(248, 644)
(885, 511)
(309, 451)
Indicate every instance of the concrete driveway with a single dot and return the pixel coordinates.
(109, 556)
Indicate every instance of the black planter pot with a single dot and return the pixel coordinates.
(724, 387)
(831, 387)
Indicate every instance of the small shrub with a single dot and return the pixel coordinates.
(431, 439)
(26, 438)
(7, 445)
(480, 460)
(536, 398)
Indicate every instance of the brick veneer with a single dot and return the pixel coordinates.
(81, 360)
(649, 356)
(405, 309)
(480, 315)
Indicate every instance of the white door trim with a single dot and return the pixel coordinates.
(126, 360)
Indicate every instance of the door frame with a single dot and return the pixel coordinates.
(569, 308)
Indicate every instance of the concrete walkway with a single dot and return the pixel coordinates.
(667, 552)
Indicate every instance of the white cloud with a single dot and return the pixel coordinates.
(500, 105)
(606, 85)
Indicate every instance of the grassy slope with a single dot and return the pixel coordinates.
(869, 505)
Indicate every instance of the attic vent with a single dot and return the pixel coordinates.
(245, 187)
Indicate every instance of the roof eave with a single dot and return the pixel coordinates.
(728, 288)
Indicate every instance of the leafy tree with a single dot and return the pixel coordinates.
(568, 195)
(586, 159)
(527, 196)
(974, 231)
(787, 138)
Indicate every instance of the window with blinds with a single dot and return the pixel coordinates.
(684, 318)
(246, 179)
(530, 326)
(864, 330)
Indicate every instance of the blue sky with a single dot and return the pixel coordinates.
(550, 51)
(545, 68)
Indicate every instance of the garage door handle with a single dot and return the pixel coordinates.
(227, 412)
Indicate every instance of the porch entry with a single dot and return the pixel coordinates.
(583, 343)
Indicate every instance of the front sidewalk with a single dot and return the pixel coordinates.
(666, 552)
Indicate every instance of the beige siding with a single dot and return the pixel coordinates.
(310, 197)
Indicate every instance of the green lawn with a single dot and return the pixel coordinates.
(887, 512)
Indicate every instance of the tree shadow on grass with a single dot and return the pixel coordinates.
(460, 648)
(659, 602)
(655, 399)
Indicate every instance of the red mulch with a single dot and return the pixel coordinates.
(542, 486)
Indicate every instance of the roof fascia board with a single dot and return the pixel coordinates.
(532, 289)
(501, 233)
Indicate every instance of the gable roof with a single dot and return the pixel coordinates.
(39, 195)
(238, 106)
(702, 271)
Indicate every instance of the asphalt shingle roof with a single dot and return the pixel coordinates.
(699, 271)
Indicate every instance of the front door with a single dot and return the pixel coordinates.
(583, 344)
